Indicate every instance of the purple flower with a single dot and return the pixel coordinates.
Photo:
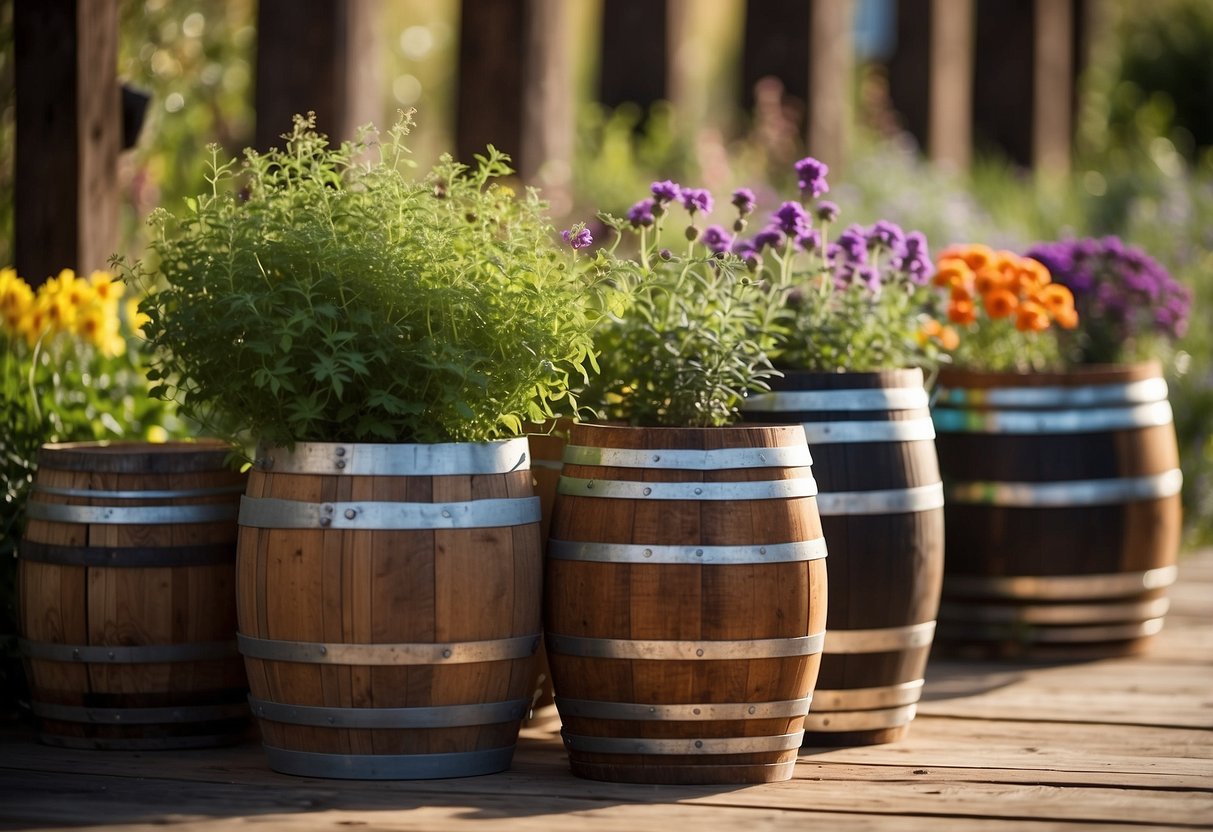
(770, 237)
(827, 211)
(792, 219)
(697, 199)
(578, 237)
(744, 199)
(665, 191)
(887, 235)
(641, 214)
(716, 239)
(852, 247)
(916, 260)
(809, 241)
(811, 176)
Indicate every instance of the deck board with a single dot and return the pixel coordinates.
(1113, 744)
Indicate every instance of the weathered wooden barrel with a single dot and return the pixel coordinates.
(127, 608)
(685, 602)
(881, 505)
(1063, 515)
(389, 604)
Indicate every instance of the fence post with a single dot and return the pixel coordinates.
(1053, 70)
(831, 61)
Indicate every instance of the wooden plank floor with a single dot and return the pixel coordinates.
(1124, 744)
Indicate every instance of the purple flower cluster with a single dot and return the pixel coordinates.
(578, 237)
(871, 256)
(811, 177)
(1120, 291)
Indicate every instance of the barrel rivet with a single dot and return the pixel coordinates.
(699, 743)
(589, 485)
(699, 553)
(332, 720)
(652, 710)
(657, 457)
(699, 652)
(753, 709)
(351, 513)
(762, 550)
(117, 717)
(341, 463)
(762, 457)
(326, 521)
(698, 490)
(446, 513)
(446, 654)
(323, 650)
(110, 654)
(75, 654)
(648, 491)
(327, 508)
(648, 553)
(339, 451)
(695, 711)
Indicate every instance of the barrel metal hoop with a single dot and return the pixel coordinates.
(389, 766)
(1059, 587)
(803, 550)
(695, 746)
(274, 513)
(370, 459)
(1029, 634)
(893, 501)
(1089, 395)
(1068, 492)
(863, 699)
(702, 650)
(131, 515)
(627, 490)
(158, 494)
(832, 721)
(705, 711)
(128, 654)
(144, 557)
(459, 652)
(140, 716)
(448, 716)
(890, 398)
(1097, 612)
(1093, 420)
(831, 433)
(721, 459)
(880, 640)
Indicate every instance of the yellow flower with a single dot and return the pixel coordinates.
(105, 286)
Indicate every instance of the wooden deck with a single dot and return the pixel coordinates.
(1114, 744)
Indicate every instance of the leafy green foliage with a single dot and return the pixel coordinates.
(332, 299)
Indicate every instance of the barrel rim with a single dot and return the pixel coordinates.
(138, 457)
(1075, 376)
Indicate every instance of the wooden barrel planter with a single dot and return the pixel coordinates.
(685, 602)
(881, 505)
(1063, 516)
(127, 610)
(389, 605)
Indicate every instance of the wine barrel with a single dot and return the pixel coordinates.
(389, 603)
(1063, 516)
(128, 619)
(685, 602)
(881, 506)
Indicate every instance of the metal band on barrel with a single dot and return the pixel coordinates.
(829, 433)
(705, 711)
(397, 460)
(893, 398)
(1057, 614)
(712, 555)
(864, 699)
(830, 721)
(893, 501)
(131, 515)
(140, 716)
(159, 494)
(1068, 492)
(627, 490)
(457, 652)
(1093, 420)
(615, 648)
(880, 640)
(273, 513)
(448, 716)
(200, 651)
(722, 459)
(1088, 395)
(969, 631)
(1059, 587)
(145, 557)
(389, 766)
(706, 745)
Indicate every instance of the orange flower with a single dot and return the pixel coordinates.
(1031, 317)
(1055, 298)
(953, 272)
(1066, 318)
(931, 327)
(949, 338)
(991, 279)
(962, 312)
(1000, 303)
(1032, 275)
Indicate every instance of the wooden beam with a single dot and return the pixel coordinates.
(69, 131)
(1053, 86)
(545, 152)
(831, 65)
(950, 91)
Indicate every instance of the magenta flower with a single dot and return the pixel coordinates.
(641, 214)
(716, 239)
(666, 191)
(578, 237)
(744, 199)
(811, 176)
(697, 199)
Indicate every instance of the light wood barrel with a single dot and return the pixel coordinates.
(1063, 515)
(881, 505)
(127, 609)
(685, 602)
(389, 603)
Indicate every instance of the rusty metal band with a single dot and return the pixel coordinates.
(832, 433)
(614, 648)
(368, 459)
(893, 501)
(158, 494)
(711, 555)
(201, 651)
(1057, 614)
(448, 716)
(698, 712)
(626, 490)
(1029, 634)
(134, 557)
(1068, 492)
(1089, 395)
(705, 745)
(144, 743)
(1093, 420)
(880, 640)
(863, 699)
(140, 716)
(389, 766)
(273, 513)
(131, 515)
(786, 401)
(722, 459)
(1059, 587)
(832, 721)
(456, 652)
